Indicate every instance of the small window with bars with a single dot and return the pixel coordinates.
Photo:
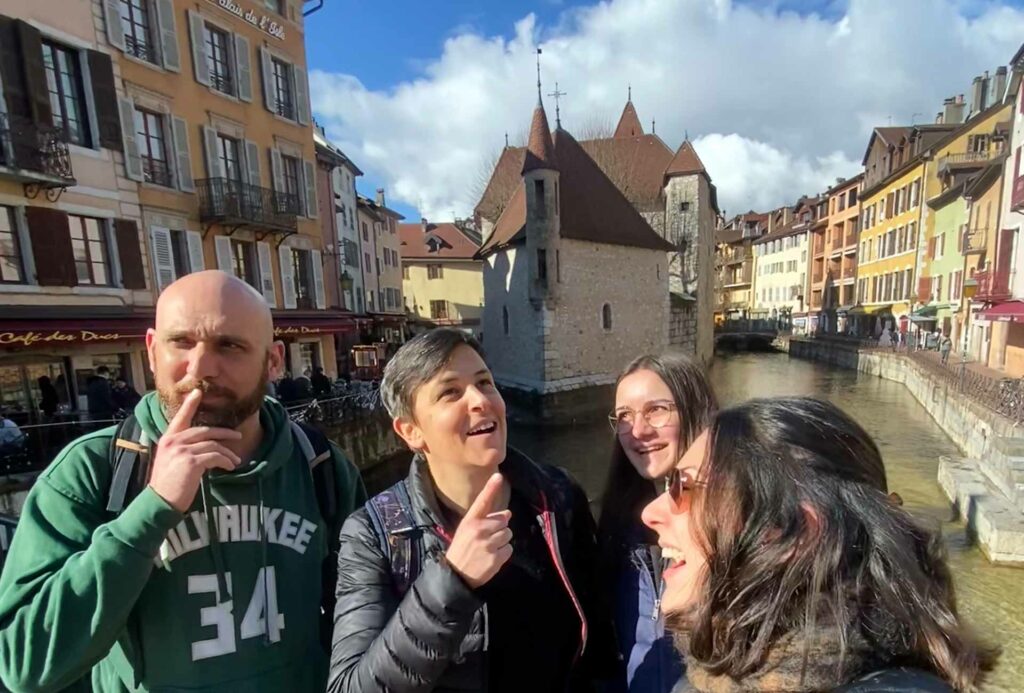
(149, 135)
(136, 23)
(218, 57)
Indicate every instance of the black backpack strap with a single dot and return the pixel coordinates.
(129, 457)
(390, 514)
(317, 450)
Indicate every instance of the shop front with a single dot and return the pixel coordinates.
(311, 339)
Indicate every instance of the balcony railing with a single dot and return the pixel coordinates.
(1017, 197)
(156, 171)
(974, 240)
(285, 109)
(222, 82)
(228, 201)
(967, 158)
(38, 153)
(141, 49)
(736, 257)
(992, 286)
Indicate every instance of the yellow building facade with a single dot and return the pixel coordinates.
(442, 280)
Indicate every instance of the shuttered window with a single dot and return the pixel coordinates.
(149, 135)
(302, 273)
(135, 21)
(89, 245)
(285, 104)
(12, 269)
(229, 158)
(67, 97)
(219, 60)
(244, 260)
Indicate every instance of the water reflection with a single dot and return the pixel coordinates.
(910, 441)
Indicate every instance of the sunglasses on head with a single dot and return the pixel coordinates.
(680, 486)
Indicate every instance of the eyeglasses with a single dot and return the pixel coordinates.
(656, 415)
(681, 485)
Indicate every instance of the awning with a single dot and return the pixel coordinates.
(72, 331)
(312, 324)
(1007, 311)
(845, 309)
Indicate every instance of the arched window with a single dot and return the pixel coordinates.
(504, 319)
(606, 316)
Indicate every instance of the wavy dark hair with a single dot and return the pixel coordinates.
(801, 534)
(626, 492)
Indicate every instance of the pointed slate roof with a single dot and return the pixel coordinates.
(441, 241)
(629, 123)
(685, 162)
(592, 207)
(539, 148)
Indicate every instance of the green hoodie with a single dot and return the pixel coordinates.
(135, 598)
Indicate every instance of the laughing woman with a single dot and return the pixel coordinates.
(662, 403)
(475, 573)
(793, 568)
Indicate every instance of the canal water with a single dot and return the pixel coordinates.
(990, 597)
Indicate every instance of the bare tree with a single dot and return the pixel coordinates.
(595, 127)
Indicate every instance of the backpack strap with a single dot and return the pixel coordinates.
(397, 533)
(129, 457)
(317, 450)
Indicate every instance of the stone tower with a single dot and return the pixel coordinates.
(541, 177)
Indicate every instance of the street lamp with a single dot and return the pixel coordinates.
(970, 287)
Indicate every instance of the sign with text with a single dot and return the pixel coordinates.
(50, 337)
(260, 21)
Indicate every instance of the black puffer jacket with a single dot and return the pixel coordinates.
(434, 638)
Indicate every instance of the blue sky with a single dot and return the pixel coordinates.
(778, 96)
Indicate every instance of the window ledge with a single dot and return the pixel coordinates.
(139, 61)
(65, 290)
(226, 95)
(162, 188)
(79, 150)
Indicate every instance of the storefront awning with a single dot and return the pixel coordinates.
(69, 331)
(845, 309)
(313, 324)
(1007, 311)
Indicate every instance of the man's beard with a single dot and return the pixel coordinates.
(231, 414)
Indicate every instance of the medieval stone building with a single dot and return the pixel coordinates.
(575, 278)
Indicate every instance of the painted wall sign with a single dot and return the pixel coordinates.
(262, 22)
(286, 331)
(60, 336)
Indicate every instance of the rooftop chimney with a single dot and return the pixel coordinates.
(423, 224)
(999, 84)
(380, 197)
(952, 111)
(938, 118)
(977, 95)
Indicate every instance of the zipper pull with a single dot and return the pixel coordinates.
(657, 609)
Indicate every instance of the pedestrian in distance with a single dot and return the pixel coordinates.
(99, 395)
(662, 403)
(945, 345)
(189, 547)
(477, 572)
(792, 567)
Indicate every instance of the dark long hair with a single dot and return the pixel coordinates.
(626, 492)
(801, 534)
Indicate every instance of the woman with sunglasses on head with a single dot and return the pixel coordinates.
(662, 403)
(793, 568)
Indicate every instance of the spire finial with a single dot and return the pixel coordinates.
(629, 93)
(558, 114)
(506, 140)
(538, 75)
(652, 126)
(686, 135)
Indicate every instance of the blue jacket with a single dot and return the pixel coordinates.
(652, 663)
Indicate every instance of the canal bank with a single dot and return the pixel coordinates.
(986, 481)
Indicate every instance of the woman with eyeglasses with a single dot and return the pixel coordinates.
(792, 568)
(662, 403)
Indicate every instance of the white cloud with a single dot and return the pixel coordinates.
(779, 104)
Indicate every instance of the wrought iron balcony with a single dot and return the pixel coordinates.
(221, 81)
(974, 240)
(34, 154)
(967, 159)
(285, 108)
(156, 171)
(232, 203)
(140, 48)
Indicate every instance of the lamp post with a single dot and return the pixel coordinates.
(970, 287)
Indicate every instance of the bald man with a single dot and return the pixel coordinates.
(209, 576)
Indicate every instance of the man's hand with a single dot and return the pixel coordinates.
(482, 542)
(185, 453)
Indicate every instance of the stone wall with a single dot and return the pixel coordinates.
(682, 327)
(515, 356)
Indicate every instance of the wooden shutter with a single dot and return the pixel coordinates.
(214, 166)
(284, 257)
(194, 241)
(309, 180)
(51, 246)
(266, 274)
(163, 257)
(35, 72)
(15, 93)
(104, 94)
(1004, 253)
(168, 35)
(243, 68)
(931, 248)
(200, 67)
(182, 154)
(115, 30)
(317, 259)
(301, 83)
(267, 72)
(276, 170)
(252, 162)
(126, 233)
(132, 160)
(225, 258)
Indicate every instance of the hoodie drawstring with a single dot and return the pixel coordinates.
(223, 593)
(266, 578)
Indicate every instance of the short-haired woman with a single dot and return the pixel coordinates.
(662, 403)
(793, 569)
(477, 571)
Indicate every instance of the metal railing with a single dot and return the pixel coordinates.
(974, 240)
(222, 82)
(968, 157)
(156, 171)
(35, 147)
(992, 285)
(285, 108)
(141, 49)
(226, 200)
